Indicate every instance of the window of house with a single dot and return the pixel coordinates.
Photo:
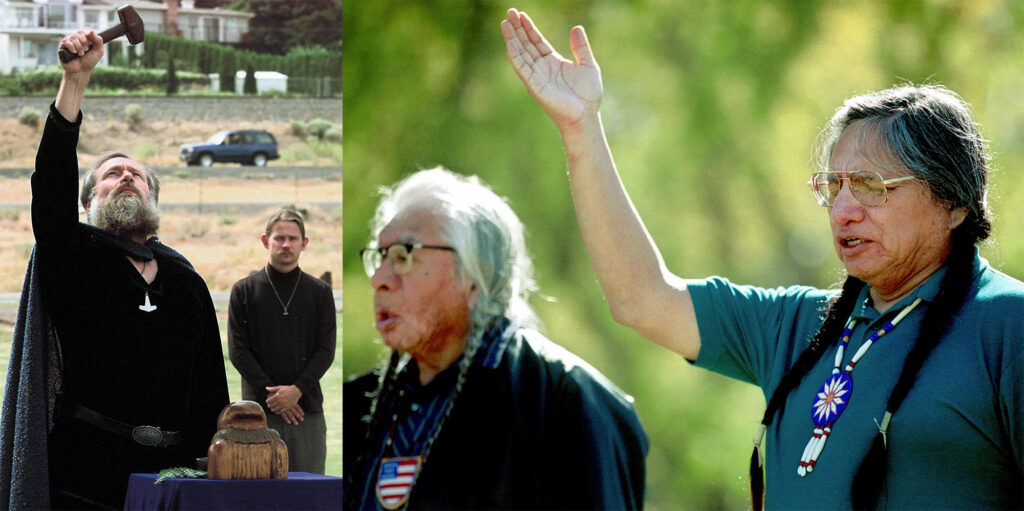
(92, 19)
(229, 30)
(56, 15)
(24, 17)
(212, 26)
(28, 49)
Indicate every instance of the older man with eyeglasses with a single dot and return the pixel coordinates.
(933, 336)
(475, 409)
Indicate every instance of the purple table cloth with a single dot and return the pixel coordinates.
(302, 490)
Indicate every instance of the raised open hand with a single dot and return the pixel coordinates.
(568, 91)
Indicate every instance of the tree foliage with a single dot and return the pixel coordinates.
(172, 77)
(48, 79)
(301, 62)
(249, 87)
(280, 26)
(227, 72)
(711, 111)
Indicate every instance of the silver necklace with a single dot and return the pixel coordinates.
(146, 307)
(283, 305)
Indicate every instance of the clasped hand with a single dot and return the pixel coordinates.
(284, 401)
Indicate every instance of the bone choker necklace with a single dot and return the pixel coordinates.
(279, 300)
(835, 393)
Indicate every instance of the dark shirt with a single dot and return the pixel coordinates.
(161, 368)
(269, 348)
(534, 427)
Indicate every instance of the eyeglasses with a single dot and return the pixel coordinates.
(868, 187)
(398, 255)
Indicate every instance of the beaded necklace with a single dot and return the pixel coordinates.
(833, 396)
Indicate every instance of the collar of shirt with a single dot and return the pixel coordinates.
(418, 408)
(927, 291)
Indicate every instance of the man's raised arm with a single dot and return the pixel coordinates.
(77, 72)
(55, 180)
(641, 292)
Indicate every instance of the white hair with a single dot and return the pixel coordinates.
(487, 236)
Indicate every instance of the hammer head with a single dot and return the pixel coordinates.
(132, 23)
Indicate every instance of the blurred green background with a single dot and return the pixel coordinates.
(711, 109)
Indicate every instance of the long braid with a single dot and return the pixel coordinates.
(838, 309)
(872, 472)
(473, 345)
(385, 387)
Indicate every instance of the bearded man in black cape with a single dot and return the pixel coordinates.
(116, 364)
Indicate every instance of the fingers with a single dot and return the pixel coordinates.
(287, 417)
(581, 47)
(74, 44)
(274, 403)
(537, 41)
(95, 38)
(521, 36)
(79, 41)
(293, 415)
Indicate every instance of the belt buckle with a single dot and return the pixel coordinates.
(147, 435)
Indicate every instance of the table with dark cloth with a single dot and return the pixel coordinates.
(302, 490)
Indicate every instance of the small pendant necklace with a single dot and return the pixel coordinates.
(835, 393)
(283, 305)
(146, 307)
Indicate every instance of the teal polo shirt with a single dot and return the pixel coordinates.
(957, 442)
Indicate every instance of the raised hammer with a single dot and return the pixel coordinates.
(131, 26)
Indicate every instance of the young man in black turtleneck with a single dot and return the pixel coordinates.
(281, 338)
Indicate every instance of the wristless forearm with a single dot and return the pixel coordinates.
(69, 96)
(621, 251)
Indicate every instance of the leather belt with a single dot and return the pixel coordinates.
(142, 435)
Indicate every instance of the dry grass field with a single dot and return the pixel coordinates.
(224, 247)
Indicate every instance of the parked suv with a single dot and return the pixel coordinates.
(248, 147)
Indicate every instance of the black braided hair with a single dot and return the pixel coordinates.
(871, 475)
(385, 388)
(837, 311)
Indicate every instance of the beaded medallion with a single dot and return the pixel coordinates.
(833, 396)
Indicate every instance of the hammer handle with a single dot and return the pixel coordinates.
(107, 35)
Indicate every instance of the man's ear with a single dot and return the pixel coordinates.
(956, 217)
(305, 241)
(474, 293)
(265, 240)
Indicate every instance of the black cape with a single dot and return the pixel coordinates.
(33, 380)
(541, 430)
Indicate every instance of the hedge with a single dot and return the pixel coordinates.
(48, 78)
(206, 57)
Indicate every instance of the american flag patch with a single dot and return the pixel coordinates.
(394, 482)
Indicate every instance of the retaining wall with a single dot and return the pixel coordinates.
(192, 108)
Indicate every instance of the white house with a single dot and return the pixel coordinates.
(214, 25)
(30, 30)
